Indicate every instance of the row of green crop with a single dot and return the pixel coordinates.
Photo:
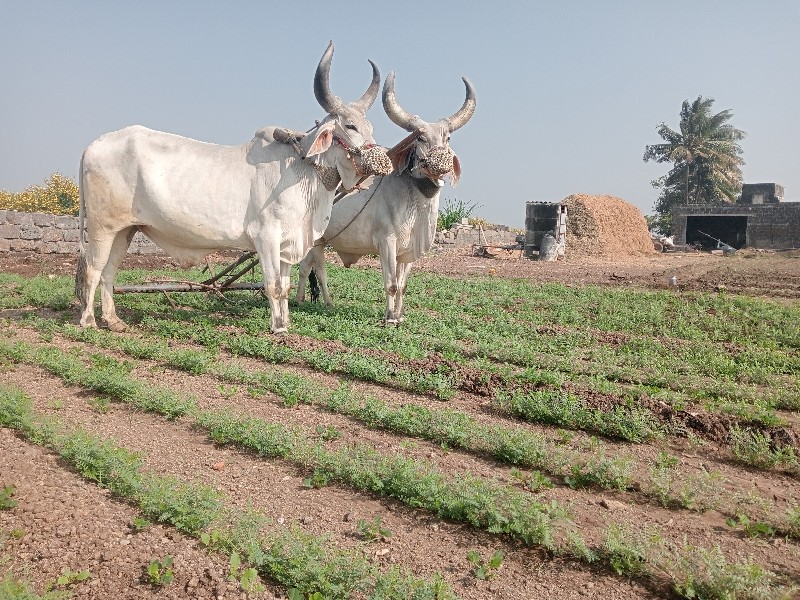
(489, 505)
(749, 379)
(548, 403)
(687, 566)
(513, 445)
(286, 555)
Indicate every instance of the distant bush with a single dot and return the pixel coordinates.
(452, 211)
(58, 196)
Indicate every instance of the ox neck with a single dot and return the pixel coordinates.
(425, 186)
(328, 176)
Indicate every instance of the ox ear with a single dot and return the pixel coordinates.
(323, 139)
(456, 172)
(401, 160)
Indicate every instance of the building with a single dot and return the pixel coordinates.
(759, 219)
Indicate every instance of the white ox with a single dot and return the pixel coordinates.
(193, 198)
(396, 216)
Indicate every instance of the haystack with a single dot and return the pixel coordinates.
(605, 226)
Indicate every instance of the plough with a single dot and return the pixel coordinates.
(224, 281)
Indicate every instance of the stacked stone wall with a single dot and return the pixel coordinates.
(58, 234)
(465, 236)
(52, 234)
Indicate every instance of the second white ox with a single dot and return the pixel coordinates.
(193, 198)
(396, 216)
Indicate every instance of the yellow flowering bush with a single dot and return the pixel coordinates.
(58, 196)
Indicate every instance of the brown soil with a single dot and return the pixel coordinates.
(68, 523)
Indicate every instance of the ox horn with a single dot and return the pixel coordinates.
(363, 104)
(466, 111)
(322, 90)
(393, 110)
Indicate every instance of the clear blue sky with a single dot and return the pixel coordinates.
(569, 93)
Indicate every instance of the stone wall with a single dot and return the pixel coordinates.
(58, 234)
(51, 234)
(465, 236)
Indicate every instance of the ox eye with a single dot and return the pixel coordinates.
(422, 139)
(351, 126)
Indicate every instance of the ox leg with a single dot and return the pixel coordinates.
(283, 296)
(403, 269)
(388, 254)
(89, 285)
(92, 265)
(276, 286)
(322, 274)
(117, 254)
(304, 270)
(315, 259)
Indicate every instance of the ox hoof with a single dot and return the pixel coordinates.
(280, 331)
(392, 322)
(117, 326)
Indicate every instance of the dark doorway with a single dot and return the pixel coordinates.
(730, 230)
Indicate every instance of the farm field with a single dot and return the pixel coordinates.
(533, 430)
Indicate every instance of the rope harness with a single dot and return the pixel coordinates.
(373, 159)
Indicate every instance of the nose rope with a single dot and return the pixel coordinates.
(373, 159)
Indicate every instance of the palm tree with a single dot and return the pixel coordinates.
(706, 157)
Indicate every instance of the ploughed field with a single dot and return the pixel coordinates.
(533, 430)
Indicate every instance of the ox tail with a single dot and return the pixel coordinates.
(313, 285)
(80, 273)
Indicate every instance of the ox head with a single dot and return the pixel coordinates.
(346, 127)
(426, 152)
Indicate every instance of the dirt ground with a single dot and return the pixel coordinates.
(66, 523)
(774, 274)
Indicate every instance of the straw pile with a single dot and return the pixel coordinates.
(605, 226)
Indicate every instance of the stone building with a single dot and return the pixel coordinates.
(759, 219)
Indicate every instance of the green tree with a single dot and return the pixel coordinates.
(706, 159)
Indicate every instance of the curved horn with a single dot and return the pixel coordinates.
(322, 89)
(393, 110)
(466, 111)
(369, 96)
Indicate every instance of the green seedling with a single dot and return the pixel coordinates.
(139, 524)
(328, 433)
(295, 594)
(18, 533)
(793, 520)
(227, 391)
(662, 475)
(372, 530)
(564, 436)
(249, 581)
(535, 481)
(211, 539)
(624, 551)
(751, 528)
(247, 578)
(69, 577)
(485, 569)
(101, 404)
(318, 479)
(6, 502)
(159, 572)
